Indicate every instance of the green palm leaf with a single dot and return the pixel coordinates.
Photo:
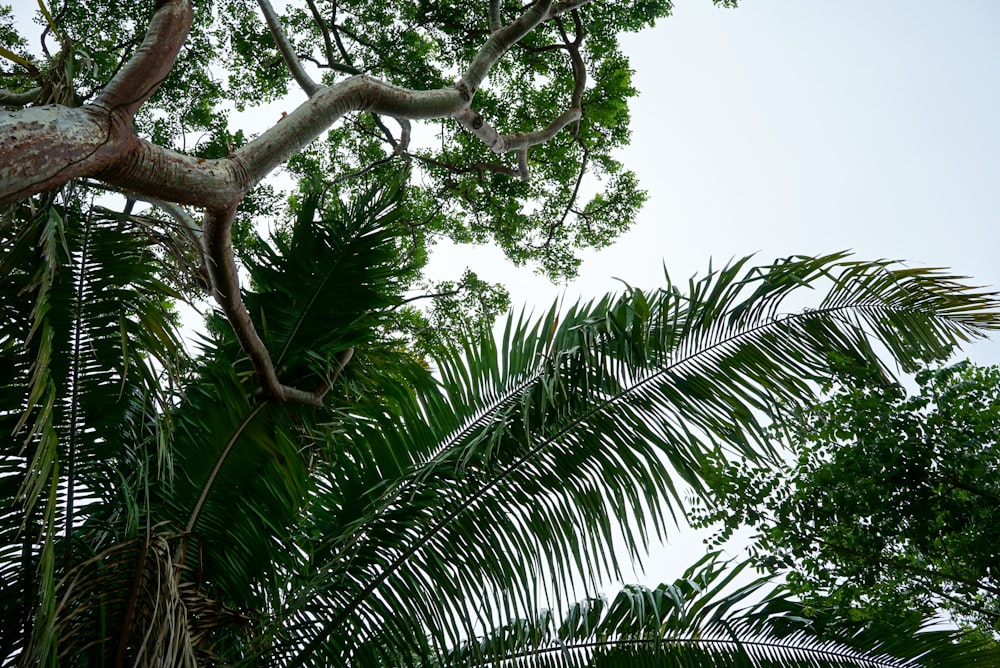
(321, 288)
(86, 334)
(537, 453)
(703, 619)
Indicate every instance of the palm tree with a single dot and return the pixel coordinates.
(166, 513)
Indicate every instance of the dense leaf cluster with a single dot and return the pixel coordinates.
(887, 508)
(579, 195)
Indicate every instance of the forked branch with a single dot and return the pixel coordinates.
(45, 147)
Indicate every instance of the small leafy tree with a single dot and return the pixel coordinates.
(887, 508)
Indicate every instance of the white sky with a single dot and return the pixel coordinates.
(801, 126)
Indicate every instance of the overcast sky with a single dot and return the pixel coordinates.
(805, 126)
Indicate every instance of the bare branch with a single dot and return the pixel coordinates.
(327, 44)
(494, 15)
(472, 121)
(576, 187)
(336, 67)
(360, 93)
(225, 287)
(404, 136)
(559, 8)
(579, 67)
(522, 165)
(500, 42)
(152, 62)
(292, 61)
(12, 99)
(336, 36)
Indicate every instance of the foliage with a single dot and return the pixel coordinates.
(460, 190)
(147, 491)
(886, 508)
(440, 487)
(705, 619)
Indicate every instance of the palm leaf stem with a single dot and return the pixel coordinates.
(841, 654)
(218, 465)
(75, 395)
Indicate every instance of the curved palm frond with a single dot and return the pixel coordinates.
(537, 452)
(703, 619)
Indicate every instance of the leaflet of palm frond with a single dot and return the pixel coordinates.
(538, 450)
(326, 286)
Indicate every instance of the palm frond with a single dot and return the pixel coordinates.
(703, 619)
(536, 455)
(86, 334)
(243, 465)
(132, 603)
(318, 288)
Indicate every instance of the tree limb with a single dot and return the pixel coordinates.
(472, 121)
(152, 62)
(44, 147)
(12, 99)
(474, 168)
(499, 43)
(494, 15)
(292, 61)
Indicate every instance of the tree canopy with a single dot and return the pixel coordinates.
(887, 507)
(521, 109)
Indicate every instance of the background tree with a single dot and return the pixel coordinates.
(887, 507)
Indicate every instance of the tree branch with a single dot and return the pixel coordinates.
(45, 147)
(474, 168)
(12, 99)
(499, 43)
(327, 44)
(218, 249)
(474, 123)
(559, 8)
(494, 15)
(292, 61)
(152, 62)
